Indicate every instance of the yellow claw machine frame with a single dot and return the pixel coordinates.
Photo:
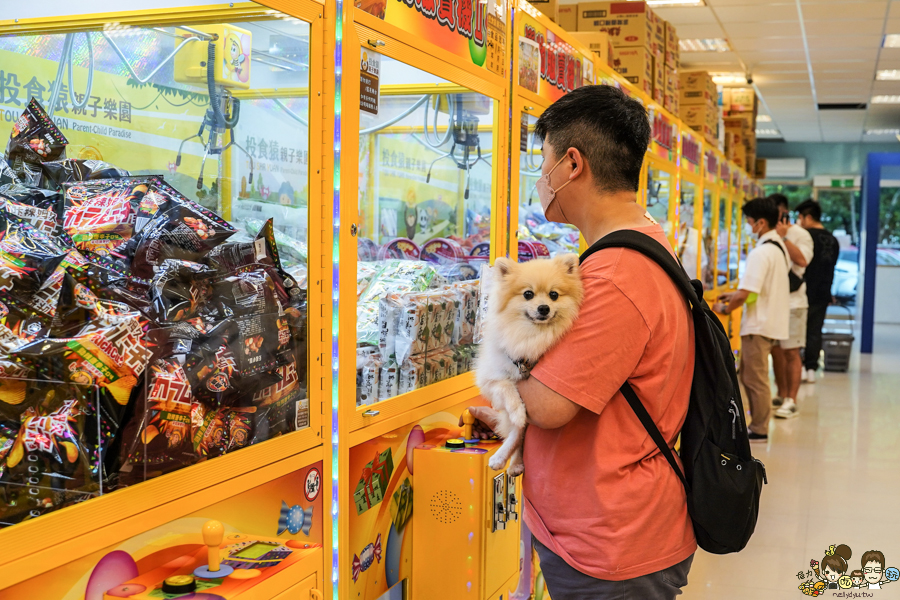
(662, 176)
(548, 64)
(126, 467)
(690, 222)
(421, 188)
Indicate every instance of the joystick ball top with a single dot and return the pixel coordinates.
(213, 533)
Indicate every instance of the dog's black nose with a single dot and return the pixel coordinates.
(543, 310)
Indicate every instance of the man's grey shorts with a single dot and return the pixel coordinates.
(797, 333)
(567, 583)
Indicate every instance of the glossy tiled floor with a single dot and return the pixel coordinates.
(834, 478)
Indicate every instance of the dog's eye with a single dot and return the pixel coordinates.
(529, 295)
(554, 296)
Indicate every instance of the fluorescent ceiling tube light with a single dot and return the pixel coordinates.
(888, 75)
(658, 3)
(763, 119)
(729, 78)
(891, 40)
(885, 99)
(882, 131)
(767, 132)
(704, 45)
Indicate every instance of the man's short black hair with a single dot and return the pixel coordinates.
(762, 208)
(780, 200)
(810, 208)
(610, 130)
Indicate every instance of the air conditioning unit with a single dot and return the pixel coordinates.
(785, 168)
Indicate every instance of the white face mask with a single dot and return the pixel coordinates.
(547, 194)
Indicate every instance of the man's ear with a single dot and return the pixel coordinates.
(505, 266)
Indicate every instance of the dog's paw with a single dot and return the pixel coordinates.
(497, 462)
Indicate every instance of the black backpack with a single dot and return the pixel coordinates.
(794, 280)
(722, 479)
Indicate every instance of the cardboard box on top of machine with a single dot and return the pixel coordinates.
(741, 100)
(629, 24)
(636, 66)
(598, 43)
(550, 8)
(702, 118)
(659, 78)
(697, 87)
(568, 16)
(659, 36)
(739, 156)
(671, 94)
(760, 170)
(672, 50)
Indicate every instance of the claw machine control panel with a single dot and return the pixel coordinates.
(468, 523)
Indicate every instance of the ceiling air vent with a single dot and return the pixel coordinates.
(844, 106)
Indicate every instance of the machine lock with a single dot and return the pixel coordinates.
(500, 500)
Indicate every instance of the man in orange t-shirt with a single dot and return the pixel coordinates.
(608, 513)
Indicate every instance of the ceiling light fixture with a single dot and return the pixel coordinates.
(767, 132)
(891, 40)
(888, 75)
(885, 99)
(704, 45)
(660, 3)
(882, 131)
(763, 119)
(729, 78)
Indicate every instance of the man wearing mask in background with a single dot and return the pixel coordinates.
(819, 277)
(786, 355)
(765, 292)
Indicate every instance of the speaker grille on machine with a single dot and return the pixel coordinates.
(446, 507)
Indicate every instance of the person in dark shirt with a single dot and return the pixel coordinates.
(819, 276)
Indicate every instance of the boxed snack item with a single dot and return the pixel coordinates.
(742, 100)
(744, 120)
(597, 42)
(568, 17)
(548, 7)
(636, 66)
(629, 24)
(739, 157)
(760, 171)
(673, 52)
(696, 87)
(659, 35)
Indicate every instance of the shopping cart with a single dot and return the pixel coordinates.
(837, 341)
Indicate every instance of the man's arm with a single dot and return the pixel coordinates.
(798, 257)
(546, 409)
(734, 299)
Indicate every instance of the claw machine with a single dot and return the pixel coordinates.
(161, 425)
(690, 244)
(663, 176)
(548, 64)
(420, 175)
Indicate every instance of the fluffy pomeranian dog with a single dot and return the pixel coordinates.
(531, 306)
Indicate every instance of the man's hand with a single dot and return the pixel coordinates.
(782, 228)
(485, 421)
(720, 307)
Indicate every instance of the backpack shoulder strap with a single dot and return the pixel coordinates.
(646, 245)
(647, 421)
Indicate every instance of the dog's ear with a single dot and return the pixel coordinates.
(569, 262)
(504, 266)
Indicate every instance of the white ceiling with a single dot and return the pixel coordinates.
(801, 53)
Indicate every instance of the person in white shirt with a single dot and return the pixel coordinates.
(765, 291)
(786, 359)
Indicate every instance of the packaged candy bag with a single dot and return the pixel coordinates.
(58, 172)
(209, 432)
(42, 219)
(7, 175)
(34, 139)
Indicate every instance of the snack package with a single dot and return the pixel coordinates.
(100, 215)
(35, 138)
(7, 175)
(281, 407)
(467, 309)
(412, 375)
(178, 289)
(27, 256)
(484, 293)
(389, 379)
(368, 371)
(209, 433)
(58, 172)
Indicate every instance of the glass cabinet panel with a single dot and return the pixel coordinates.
(161, 319)
(689, 245)
(709, 241)
(537, 235)
(425, 183)
(722, 242)
(660, 186)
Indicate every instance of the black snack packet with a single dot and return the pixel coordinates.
(44, 220)
(7, 175)
(178, 290)
(183, 232)
(100, 214)
(34, 140)
(27, 256)
(58, 172)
